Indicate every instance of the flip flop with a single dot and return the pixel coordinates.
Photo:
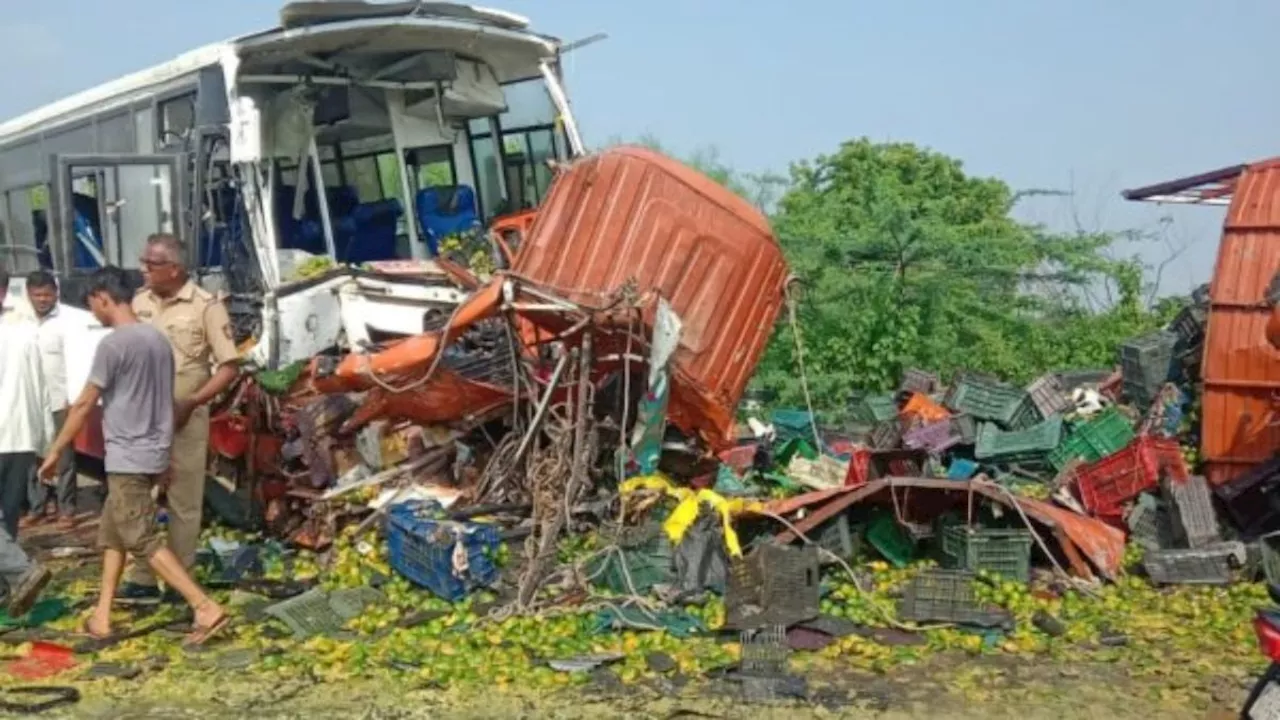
(88, 632)
(202, 635)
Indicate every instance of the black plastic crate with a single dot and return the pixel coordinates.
(765, 651)
(1207, 566)
(1197, 521)
(1188, 325)
(1147, 364)
(838, 537)
(1072, 379)
(947, 596)
(886, 435)
(1149, 523)
(1252, 500)
(966, 428)
(773, 585)
(919, 381)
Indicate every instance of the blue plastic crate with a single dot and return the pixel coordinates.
(422, 549)
(962, 469)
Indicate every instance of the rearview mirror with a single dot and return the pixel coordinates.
(212, 107)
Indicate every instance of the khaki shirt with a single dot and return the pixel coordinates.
(198, 328)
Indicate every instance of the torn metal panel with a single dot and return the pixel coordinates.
(446, 398)
(406, 359)
(344, 308)
(1080, 538)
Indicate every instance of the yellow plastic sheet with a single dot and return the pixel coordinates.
(689, 504)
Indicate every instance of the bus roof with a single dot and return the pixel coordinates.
(298, 20)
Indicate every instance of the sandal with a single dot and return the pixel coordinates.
(203, 634)
(88, 632)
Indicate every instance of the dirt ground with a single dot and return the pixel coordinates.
(953, 687)
(222, 682)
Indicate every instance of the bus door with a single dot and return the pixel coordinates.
(134, 196)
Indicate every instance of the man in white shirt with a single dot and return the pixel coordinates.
(26, 431)
(48, 315)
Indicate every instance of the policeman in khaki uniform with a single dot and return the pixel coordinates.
(205, 364)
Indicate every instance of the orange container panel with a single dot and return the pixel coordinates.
(1240, 426)
(633, 213)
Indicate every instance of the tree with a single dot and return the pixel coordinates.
(904, 260)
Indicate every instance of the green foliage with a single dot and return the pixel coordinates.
(906, 261)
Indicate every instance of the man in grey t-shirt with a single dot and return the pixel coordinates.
(133, 367)
(132, 374)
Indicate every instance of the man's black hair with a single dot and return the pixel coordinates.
(4, 279)
(112, 282)
(41, 279)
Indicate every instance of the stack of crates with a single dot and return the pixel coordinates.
(1189, 326)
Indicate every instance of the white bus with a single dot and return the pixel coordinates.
(364, 132)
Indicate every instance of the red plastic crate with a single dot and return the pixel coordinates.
(859, 467)
(739, 458)
(1106, 485)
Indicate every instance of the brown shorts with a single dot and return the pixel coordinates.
(129, 516)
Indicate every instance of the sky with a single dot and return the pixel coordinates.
(1086, 96)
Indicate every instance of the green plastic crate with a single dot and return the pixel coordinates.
(984, 399)
(647, 565)
(1105, 434)
(1033, 442)
(891, 540)
(791, 424)
(1006, 553)
(872, 407)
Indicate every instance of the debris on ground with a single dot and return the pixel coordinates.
(565, 476)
